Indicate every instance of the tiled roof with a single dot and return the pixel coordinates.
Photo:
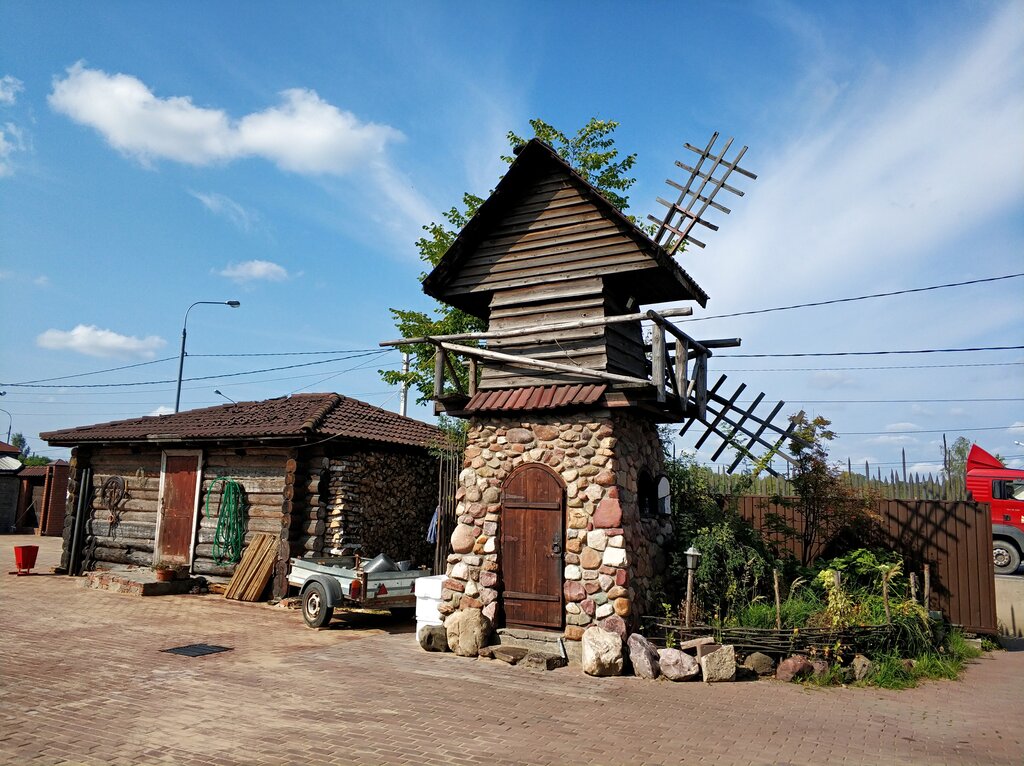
(8, 449)
(534, 398)
(32, 470)
(299, 415)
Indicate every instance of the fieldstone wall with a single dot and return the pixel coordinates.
(611, 555)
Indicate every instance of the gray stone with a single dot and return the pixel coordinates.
(644, 656)
(761, 664)
(433, 638)
(468, 630)
(820, 667)
(863, 668)
(509, 654)
(793, 667)
(602, 653)
(543, 661)
(719, 665)
(677, 665)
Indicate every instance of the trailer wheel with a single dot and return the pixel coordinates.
(1005, 556)
(315, 611)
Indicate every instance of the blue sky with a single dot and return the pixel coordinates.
(286, 156)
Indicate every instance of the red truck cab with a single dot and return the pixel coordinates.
(988, 481)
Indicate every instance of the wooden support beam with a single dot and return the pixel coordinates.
(681, 362)
(658, 361)
(438, 373)
(454, 373)
(533, 329)
(472, 377)
(538, 364)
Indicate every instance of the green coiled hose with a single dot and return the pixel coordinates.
(229, 539)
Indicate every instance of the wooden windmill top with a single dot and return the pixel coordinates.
(544, 224)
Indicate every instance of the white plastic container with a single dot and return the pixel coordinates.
(428, 599)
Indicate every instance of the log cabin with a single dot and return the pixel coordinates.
(319, 471)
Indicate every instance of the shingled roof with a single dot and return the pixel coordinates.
(299, 416)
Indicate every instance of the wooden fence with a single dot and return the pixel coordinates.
(954, 539)
(892, 485)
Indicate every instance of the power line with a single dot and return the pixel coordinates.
(796, 400)
(855, 298)
(375, 352)
(888, 367)
(94, 372)
(923, 431)
(873, 353)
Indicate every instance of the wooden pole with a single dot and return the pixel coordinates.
(438, 373)
(778, 601)
(540, 364)
(533, 329)
(689, 595)
(913, 586)
(658, 361)
(928, 586)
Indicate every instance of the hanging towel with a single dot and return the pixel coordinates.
(432, 527)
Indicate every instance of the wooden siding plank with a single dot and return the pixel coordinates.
(525, 295)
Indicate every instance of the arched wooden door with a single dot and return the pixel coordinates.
(532, 541)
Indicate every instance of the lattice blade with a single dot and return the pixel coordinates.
(707, 176)
(741, 428)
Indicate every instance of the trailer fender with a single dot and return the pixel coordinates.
(330, 585)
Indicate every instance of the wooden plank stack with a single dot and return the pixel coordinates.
(254, 570)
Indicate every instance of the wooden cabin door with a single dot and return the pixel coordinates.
(179, 495)
(532, 541)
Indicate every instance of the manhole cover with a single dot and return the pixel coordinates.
(197, 650)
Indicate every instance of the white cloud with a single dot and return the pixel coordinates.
(224, 206)
(10, 87)
(902, 427)
(163, 409)
(41, 281)
(1017, 427)
(12, 140)
(925, 468)
(886, 176)
(251, 271)
(303, 134)
(828, 380)
(891, 439)
(93, 341)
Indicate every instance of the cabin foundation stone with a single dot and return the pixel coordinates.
(614, 551)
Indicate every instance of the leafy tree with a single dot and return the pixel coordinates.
(19, 441)
(591, 151)
(826, 505)
(954, 460)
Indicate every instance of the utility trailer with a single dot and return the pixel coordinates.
(327, 582)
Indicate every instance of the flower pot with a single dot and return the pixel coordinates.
(165, 575)
(25, 557)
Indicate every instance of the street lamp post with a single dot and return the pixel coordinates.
(10, 423)
(184, 332)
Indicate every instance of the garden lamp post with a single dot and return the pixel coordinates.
(692, 562)
(184, 332)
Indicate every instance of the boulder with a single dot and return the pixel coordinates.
(468, 630)
(862, 667)
(820, 667)
(761, 664)
(794, 667)
(616, 625)
(433, 638)
(719, 665)
(463, 538)
(644, 656)
(677, 665)
(602, 652)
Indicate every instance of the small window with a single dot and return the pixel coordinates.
(647, 495)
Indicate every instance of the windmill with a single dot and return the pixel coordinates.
(558, 274)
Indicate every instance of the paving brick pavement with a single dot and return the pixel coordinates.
(83, 681)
